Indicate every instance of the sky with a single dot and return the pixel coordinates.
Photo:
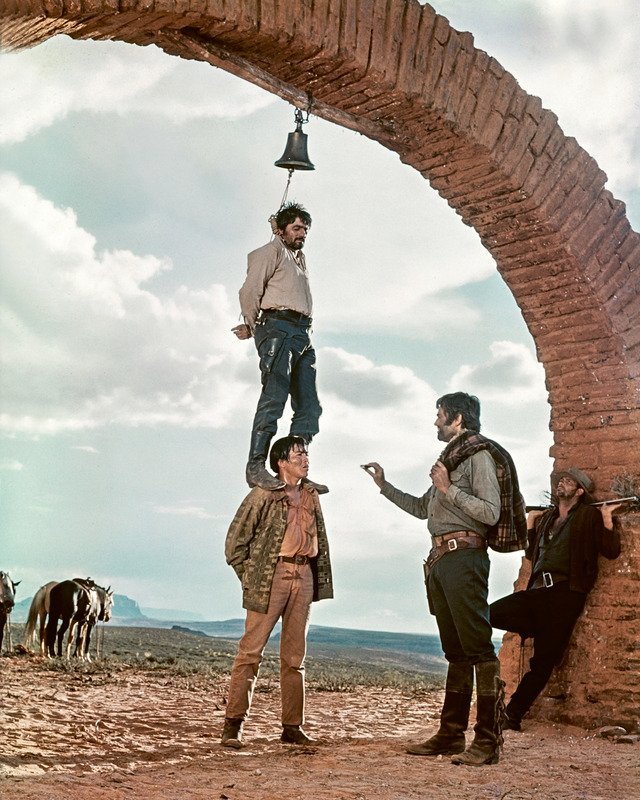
(132, 186)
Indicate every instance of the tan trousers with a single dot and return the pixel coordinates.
(291, 598)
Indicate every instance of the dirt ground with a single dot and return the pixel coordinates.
(135, 734)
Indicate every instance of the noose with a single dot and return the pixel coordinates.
(272, 218)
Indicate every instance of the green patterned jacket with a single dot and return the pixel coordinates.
(253, 545)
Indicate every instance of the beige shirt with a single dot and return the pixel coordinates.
(472, 502)
(301, 536)
(277, 277)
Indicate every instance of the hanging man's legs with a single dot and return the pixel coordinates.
(287, 366)
(274, 345)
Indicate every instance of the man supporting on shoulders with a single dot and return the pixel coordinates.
(474, 488)
(277, 544)
(564, 544)
(275, 301)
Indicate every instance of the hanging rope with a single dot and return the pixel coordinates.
(286, 190)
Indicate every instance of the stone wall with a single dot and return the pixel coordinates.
(400, 74)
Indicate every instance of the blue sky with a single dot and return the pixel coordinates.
(132, 186)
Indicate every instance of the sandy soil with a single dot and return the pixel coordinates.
(134, 734)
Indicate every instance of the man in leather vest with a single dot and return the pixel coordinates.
(564, 544)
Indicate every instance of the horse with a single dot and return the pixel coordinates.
(70, 602)
(39, 608)
(7, 601)
(78, 603)
(100, 611)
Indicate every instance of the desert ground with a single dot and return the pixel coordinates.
(149, 729)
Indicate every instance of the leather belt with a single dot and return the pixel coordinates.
(545, 580)
(287, 315)
(295, 559)
(456, 540)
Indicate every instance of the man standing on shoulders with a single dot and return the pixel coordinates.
(474, 493)
(564, 544)
(277, 544)
(275, 302)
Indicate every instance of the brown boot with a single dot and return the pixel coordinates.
(256, 472)
(485, 748)
(319, 487)
(293, 734)
(232, 733)
(257, 475)
(454, 717)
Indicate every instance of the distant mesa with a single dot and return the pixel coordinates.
(182, 629)
(126, 611)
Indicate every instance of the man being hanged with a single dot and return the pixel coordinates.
(276, 306)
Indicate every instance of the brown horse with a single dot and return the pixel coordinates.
(77, 603)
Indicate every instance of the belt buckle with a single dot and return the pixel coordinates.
(452, 544)
(547, 580)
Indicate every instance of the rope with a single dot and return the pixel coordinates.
(286, 189)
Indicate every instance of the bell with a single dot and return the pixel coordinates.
(295, 153)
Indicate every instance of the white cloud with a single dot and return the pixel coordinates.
(185, 511)
(85, 449)
(86, 345)
(116, 78)
(582, 59)
(512, 375)
(390, 248)
(11, 465)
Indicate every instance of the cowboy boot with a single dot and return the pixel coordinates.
(486, 744)
(319, 487)
(293, 734)
(256, 472)
(454, 717)
(232, 733)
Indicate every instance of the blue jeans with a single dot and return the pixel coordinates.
(288, 367)
(458, 589)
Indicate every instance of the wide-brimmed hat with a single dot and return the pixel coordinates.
(577, 475)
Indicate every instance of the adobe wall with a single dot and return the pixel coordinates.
(397, 72)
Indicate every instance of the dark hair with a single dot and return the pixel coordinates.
(280, 450)
(290, 213)
(461, 403)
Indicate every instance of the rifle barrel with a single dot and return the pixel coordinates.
(617, 500)
(601, 503)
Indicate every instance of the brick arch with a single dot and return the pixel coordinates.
(397, 72)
